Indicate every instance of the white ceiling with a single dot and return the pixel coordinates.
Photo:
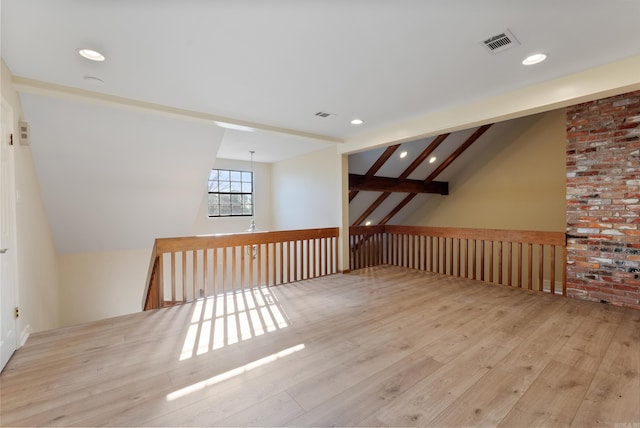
(270, 65)
(278, 62)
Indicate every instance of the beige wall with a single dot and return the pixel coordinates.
(203, 225)
(518, 182)
(101, 285)
(38, 295)
(307, 191)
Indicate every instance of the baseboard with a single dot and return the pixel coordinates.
(546, 285)
(24, 335)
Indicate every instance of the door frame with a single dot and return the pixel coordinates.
(8, 291)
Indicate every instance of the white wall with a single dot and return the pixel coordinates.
(307, 191)
(38, 295)
(203, 225)
(98, 285)
(102, 285)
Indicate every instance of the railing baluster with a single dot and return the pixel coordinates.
(482, 245)
(491, 261)
(215, 271)
(173, 278)
(474, 259)
(458, 256)
(540, 267)
(530, 267)
(519, 265)
(552, 269)
(326, 255)
(243, 263)
(510, 266)
(225, 272)
(281, 262)
(499, 262)
(183, 271)
(274, 264)
(295, 261)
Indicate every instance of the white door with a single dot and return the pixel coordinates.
(8, 285)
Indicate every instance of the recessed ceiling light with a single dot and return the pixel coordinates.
(368, 223)
(357, 122)
(403, 154)
(91, 54)
(432, 159)
(94, 80)
(534, 59)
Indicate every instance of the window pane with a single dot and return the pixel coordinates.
(230, 193)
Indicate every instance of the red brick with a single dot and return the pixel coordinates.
(603, 179)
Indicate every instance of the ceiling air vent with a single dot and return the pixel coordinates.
(501, 42)
(324, 114)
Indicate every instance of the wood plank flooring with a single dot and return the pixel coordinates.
(383, 346)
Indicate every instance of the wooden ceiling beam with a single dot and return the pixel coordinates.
(376, 166)
(388, 184)
(424, 155)
(430, 180)
(369, 210)
(381, 160)
(457, 153)
(397, 209)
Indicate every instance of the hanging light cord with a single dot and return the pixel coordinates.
(252, 227)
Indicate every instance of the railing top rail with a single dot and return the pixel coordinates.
(167, 245)
(520, 236)
(366, 230)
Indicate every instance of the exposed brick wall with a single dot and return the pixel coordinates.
(603, 200)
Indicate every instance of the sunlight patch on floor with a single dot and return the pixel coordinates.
(232, 373)
(226, 319)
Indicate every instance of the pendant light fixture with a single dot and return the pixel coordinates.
(252, 226)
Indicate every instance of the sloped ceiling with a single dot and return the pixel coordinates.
(114, 179)
(360, 162)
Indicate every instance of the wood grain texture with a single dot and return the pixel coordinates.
(382, 346)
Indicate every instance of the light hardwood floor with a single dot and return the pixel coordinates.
(384, 346)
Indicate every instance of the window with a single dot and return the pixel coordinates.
(230, 193)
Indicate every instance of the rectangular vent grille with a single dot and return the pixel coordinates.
(501, 42)
(324, 114)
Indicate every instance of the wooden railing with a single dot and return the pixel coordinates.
(184, 269)
(524, 259)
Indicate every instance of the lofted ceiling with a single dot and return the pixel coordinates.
(262, 70)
